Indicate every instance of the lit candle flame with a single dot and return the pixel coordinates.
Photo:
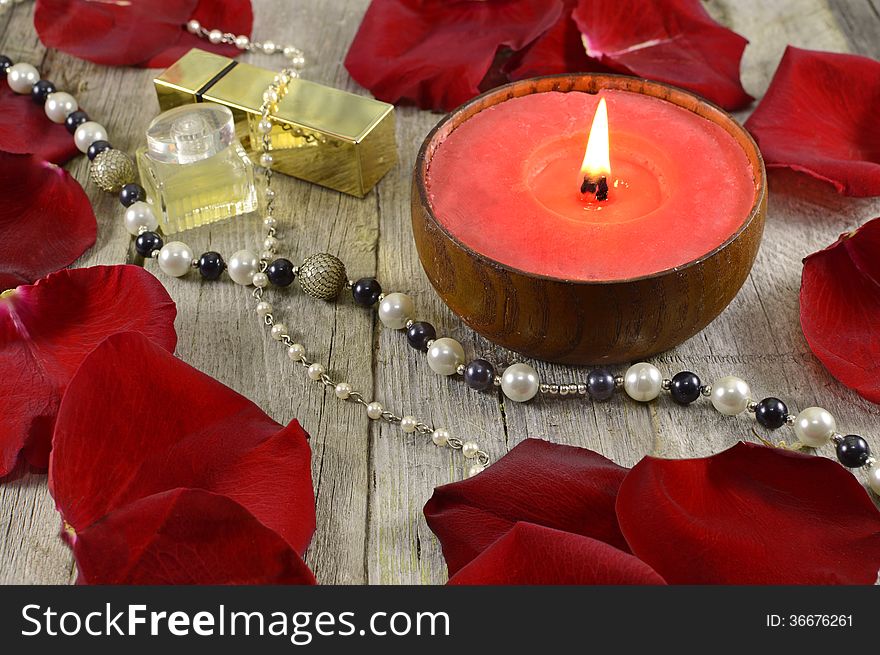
(596, 166)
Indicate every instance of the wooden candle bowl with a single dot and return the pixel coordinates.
(575, 322)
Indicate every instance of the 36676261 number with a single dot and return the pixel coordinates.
(810, 621)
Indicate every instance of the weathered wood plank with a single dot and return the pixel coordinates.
(371, 480)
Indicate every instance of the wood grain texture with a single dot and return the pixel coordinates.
(371, 480)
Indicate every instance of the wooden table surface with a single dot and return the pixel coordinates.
(371, 481)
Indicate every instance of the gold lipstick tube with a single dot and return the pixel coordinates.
(323, 135)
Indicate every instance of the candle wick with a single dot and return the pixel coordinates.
(597, 188)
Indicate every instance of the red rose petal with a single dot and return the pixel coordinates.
(138, 32)
(47, 329)
(672, 41)
(137, 421)
(561, 487)
(185, 536)
(532, 554)
(751, 515)
(234, 16)
(559, 50)
(46, 220)
(819, 117)
(25, 129)
(435, 52)
(840, 308)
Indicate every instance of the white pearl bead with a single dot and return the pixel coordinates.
(278, 331)
(408, 423)
(242, 42)
(175, 258)
(316, 371)
(87, 133)
(469, 449)
(215, 36)
(22, 77)
(374, 410)
(814, 426)
(520, 382)
(440, 436)
(476, 469)
(242, 267)
(874, 479)
(445, 355)
(59, 105)
(395, 310)
(266, 160)
(268, 47)
(730, 395)
(193, 26)
(296, 351)
(298, 62)
(264, 126)
(343, 390)
(643, 382)
(263, 309)
(260, 280)
(270, 243)
(137, 215)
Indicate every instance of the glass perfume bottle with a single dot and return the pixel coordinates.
(194, 169)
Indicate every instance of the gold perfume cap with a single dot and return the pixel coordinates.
(323, 135)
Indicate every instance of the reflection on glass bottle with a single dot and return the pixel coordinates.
(194, 169)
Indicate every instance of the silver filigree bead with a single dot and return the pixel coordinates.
(322, 276)
(111, 170)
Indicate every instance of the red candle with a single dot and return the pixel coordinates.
(508, 184)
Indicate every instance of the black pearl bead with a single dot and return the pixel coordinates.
(685, 387)
(148, 242)
(5, 63)
(419, 334)
(281, 273)
(40, 90)
(211, 265)
(97, 148)
(600, 384)
(366, 291)
(75, 119)
(771, 413)
(853, 451)
(479, 375)
(132, 193)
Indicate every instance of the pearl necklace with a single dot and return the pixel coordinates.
(323, 276)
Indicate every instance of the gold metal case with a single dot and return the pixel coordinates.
(323, 135)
